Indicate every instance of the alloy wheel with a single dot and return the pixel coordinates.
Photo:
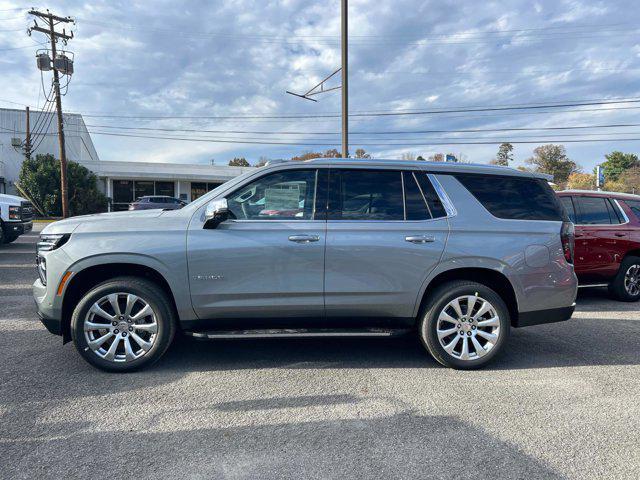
(120, 327)
(632, 280)
(468, 327)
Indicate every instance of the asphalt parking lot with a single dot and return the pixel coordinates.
(562, 402)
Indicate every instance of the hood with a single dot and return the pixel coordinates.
(12, 199)
(119, 220)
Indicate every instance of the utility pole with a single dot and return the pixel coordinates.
(344, 86)
(52, 21)
(344, 13)
(27, 142)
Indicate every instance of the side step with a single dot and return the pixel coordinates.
(298, 333)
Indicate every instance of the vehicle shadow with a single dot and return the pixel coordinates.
(577, 342)
(282, 444)
(597, 299)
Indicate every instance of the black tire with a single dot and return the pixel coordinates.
(617, 287)
(154, 296)
(438, 300)
(10, 239)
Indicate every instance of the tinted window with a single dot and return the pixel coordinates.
(635, 207)
(430, 195)
(614, 214)
(567, 203)
(365, 195)
(593, 211)
(286, 195)
(514, 197)
(414, 200)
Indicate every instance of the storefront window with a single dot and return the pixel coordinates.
(165, 188)
(198, 189)
(143, 189)
(122, 191)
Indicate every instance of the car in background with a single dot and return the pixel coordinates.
(16, 217)
(157, 201)
(607, 240)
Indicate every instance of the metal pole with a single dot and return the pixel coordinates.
(345, 80)
(27, 141)
(63, 154)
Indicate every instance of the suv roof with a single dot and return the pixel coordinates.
(595, 193)
(424, 165)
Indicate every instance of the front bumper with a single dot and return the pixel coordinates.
(54, 325)
(540, 317)
(17, 228)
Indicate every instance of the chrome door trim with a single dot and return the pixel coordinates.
(442, 194)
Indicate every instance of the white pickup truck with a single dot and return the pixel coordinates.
(16, 217)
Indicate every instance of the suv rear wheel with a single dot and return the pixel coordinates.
(123, 324)
(465, 325)
(626, 285)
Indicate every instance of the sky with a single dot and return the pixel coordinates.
(236, 58)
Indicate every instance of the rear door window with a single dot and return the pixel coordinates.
(517, 198)
(414, 200)
(594, 211)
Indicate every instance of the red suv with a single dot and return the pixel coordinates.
(607, 244)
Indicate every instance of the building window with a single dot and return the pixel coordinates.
(198, 189)
(122, 191)
(211, 186)
(165, 188)
(143, 189)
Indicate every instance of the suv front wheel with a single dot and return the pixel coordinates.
(465, 324)
(123, 324)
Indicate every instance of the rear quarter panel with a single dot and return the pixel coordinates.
(528, 252)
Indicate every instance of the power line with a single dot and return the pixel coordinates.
(365, 114)
(386, 132)
(487, 142)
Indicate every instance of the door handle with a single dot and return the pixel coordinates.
(304, 238)
(420, 238)
(619, 234)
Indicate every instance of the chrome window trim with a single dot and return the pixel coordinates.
(620, 210)
(442, 195)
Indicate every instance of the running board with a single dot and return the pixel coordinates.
(594, 285)
(297, 333)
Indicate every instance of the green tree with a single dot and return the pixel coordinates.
(504, 155)
(239, 162)
(40, 179)
(420, 157)
(552, 159)
(616, 163)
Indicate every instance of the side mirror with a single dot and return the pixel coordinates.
(217, 211)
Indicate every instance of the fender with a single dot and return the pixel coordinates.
(178, 283)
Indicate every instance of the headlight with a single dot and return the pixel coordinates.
(14, 212)
(51, 242)
(42, 269)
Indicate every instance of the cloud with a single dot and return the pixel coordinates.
(217, 58)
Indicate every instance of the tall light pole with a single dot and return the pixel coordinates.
(320, 87)
(344, 13)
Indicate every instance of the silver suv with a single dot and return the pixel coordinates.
(458, 254)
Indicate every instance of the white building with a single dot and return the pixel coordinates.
(121, 181)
